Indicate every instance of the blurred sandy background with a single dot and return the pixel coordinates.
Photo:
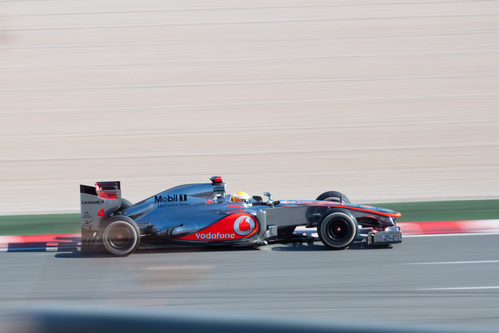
(383, 100)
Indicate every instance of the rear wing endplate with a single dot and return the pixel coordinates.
(98, 202)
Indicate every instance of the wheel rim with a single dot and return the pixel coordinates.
(337, 230)
(120, 238)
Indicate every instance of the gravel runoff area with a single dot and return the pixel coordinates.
(383, 100)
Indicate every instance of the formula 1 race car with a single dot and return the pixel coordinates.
(203, 214)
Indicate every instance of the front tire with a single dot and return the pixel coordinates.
(121, 236)
(333, 196)
(338, 230)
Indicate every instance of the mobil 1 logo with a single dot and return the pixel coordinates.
(172, 200)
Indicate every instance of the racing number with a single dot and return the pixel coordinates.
(101, 213)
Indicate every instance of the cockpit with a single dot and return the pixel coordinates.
(240, 197)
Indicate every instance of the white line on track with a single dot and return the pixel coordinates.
(452, 235)
(460, 288)
(453, 262)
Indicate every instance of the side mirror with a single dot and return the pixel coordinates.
(268, 195)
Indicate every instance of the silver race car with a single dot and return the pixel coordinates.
(204, 215)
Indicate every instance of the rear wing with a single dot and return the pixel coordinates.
(98, 202)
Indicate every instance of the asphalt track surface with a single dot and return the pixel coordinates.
(384, 100)
(449, 281)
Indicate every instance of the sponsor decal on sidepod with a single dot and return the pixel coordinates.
(244, 225)
(214, 236)
(231, 227)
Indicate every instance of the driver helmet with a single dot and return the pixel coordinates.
(241, 197)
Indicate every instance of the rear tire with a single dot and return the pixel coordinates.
(125, 204)
(120, 236)
(338, 230)
(333, 196)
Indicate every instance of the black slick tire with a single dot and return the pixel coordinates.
(333, 196)
(120, 236)
(338, 230)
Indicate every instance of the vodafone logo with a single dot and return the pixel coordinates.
(230, 228)
(244, 225)
(214, 236)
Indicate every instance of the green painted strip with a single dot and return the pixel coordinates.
(445, 210)
(411, 212)
(39, 224)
